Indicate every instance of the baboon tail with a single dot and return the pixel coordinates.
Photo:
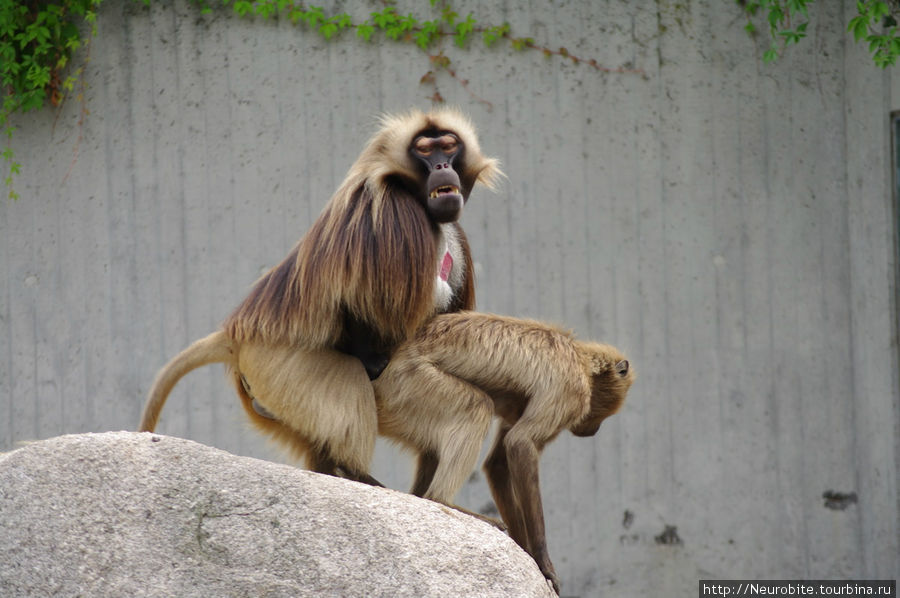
(215, 348)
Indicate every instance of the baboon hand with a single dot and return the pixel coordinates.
(375, 364)
(551, 577)
(493, 521)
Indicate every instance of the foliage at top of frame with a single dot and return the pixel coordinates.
(37, 40)
(387, 21)
(39, 37)
(875, 23)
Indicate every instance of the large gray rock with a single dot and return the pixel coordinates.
(127, 514)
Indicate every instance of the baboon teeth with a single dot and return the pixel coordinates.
(443, 190)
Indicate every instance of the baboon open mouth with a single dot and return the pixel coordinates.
(444, 190)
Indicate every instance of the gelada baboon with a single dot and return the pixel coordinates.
(442, 387)
(385, 254)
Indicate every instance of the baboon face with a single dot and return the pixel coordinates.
(435, 156)
(609, 386)
(441, 154)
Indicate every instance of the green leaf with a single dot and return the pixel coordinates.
(449, 15)
(422, 39)
(328, 30)
(520, 43)
(38, 76)
(860, 28)
(801, 8)
(385, 18)
(365, 31)
(463, 30)
(314, 17)
(791, 37)
(874, 43)
(265, 9)
(776, 15)
(895, 46)
(880, 10)
(429, 32)
(343, 21)
(492, 34)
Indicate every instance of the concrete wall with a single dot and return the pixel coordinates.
(730, 225)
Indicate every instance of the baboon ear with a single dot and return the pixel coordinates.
(622, 368)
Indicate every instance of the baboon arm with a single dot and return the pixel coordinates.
(523, 458)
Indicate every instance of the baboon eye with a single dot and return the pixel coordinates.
(449, 144)
(422, 146)
(622, 367)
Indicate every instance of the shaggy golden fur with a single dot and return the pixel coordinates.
(372, 251)
(372, 255)
(442, 387)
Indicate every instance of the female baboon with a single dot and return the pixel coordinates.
(442, 387)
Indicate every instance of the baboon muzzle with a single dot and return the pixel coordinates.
(442, 186)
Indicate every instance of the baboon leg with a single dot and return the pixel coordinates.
(427, 465)
(447, 435)
(357, 476)
(323, 396)
(496, 469)
(461, 437)
(460, 444)
(320, 461)
(364, 478)
(523, 445)
(295, 443)
(442, 417)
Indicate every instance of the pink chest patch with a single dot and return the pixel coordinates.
(446, 265)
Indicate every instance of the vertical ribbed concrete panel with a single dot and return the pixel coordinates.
(730, 225)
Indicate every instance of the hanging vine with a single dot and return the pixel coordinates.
(38, 39)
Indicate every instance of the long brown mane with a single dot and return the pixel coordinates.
(346, 259)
